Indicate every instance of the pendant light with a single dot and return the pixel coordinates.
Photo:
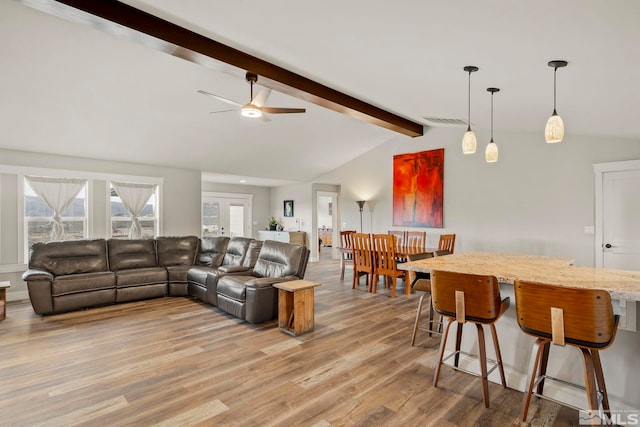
(491, 153)
(554, 130)
(469, 141)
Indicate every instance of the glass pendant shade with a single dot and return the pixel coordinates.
(469, 142)
(554, 130)
(491, 153)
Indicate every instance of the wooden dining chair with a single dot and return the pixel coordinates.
(447, 242)
(416, 239)
(401, 239)
(346, 252)
(582, 318)
(473, 298)
(385, 264)
(362, 258)
(401, 236)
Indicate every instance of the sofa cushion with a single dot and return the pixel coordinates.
(278, 259)
(69, 257)
(83, 282)
(234, 287)
(236, 250)
(212, 251)
(126, 254)
(198, 274)
(176, 250)
(141, 276)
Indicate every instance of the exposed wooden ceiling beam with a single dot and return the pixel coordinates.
(119, 18)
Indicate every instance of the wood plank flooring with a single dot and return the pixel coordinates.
(176, 361)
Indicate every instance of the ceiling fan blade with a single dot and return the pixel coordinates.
(221, 98)
(221, 111)
(264, 118)
(275, 110)
(261, 98)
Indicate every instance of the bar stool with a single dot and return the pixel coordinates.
(421, 282)
(557, 315)
(462, 298)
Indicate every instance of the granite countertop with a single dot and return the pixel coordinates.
(558, 271)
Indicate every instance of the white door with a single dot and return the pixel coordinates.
(621, 220)
(226, 216)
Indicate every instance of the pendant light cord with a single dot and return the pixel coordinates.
(492, 116)
(555, 70)
(469, 105)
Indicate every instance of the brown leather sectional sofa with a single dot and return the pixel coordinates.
(71, 275)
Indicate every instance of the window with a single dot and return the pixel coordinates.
(134, 210)
(44, 196)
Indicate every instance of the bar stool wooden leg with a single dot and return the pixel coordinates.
(415, 325)
(600, 378)
(482, 352)
(443, 343)
(341, 267)
(544, 361)
(496, 345)
(540, 344)
(456, 358)
(590, 380)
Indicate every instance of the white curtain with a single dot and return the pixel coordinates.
(134, 197)
(57, 194)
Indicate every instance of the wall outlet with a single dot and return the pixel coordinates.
(344, 225)
(589, 229)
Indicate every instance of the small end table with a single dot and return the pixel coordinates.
(296, 306)
(3, 299)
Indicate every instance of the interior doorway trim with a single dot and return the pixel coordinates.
(600, 169)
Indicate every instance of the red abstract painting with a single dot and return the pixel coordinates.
(418, 189)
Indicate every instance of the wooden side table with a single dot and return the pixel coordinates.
(3, 299)
(296, 306)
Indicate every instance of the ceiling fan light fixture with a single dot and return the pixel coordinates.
(250, 110)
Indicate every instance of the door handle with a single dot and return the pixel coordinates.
(609, 246)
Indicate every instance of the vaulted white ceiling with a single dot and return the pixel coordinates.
(73, 90)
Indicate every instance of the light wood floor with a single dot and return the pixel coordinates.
(175, 361)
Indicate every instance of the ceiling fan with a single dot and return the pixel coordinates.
(255, 108)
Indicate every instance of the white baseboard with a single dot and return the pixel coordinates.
(17, 296)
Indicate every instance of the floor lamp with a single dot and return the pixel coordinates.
(361, 206)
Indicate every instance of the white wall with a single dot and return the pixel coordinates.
(536, 199)
(180, 204)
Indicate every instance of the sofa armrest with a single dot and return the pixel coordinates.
(35, 274)
(232, 269)
(263, 282)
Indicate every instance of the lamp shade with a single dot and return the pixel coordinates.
(469, 142)
(554, 130)
(491, 153)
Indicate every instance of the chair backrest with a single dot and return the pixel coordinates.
(362, 252)
(416, 239)
(345, 242)
(587, 314)
(447, 242)
(384, 247)
(401, 236)
(482, 303)
(279, 259)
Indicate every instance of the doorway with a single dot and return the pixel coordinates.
(617, 225)
(327, 231)
(226, 214)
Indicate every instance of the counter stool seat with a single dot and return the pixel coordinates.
(579, 317)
